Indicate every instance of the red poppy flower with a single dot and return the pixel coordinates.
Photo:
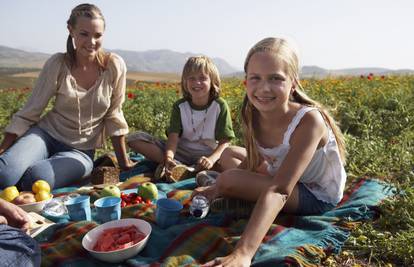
(131, 96)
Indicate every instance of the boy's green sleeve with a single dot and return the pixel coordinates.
(224, 125)
(175, 120)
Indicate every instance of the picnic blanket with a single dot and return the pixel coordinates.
(291, 240)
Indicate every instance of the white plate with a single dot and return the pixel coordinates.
(89, 240)
(34, 207)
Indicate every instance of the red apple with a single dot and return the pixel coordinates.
(25, 197)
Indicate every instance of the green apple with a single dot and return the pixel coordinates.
(110, 191)
(148, 190)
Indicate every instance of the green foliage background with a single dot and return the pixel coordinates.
(376, 115)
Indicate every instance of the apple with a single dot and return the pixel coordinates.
(110, 191)
(25, 197)
(147, 191)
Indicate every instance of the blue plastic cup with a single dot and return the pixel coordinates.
(168, 212)
(108, 209)
(79, 208)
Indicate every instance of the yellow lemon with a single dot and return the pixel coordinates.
(9, 193)
(40, 185)
(42, 195)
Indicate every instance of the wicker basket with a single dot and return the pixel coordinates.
(105, 175)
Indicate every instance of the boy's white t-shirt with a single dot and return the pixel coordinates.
(201, 128)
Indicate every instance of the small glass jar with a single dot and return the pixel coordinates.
(199, 206)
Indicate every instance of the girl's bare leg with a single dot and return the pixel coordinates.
(242, 184)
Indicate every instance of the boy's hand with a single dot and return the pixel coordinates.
(204, 163)
(169, 163)
(128, 165)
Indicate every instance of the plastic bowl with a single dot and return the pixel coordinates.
(34, 207)
(89, 240)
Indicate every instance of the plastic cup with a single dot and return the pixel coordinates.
(108, 209)
(168, 212)
(79, 208)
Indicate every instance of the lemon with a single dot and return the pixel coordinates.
(42, 195)
(40, 185)
(9, 193)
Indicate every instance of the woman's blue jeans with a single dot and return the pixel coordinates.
(37, 155)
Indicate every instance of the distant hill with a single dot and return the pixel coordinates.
(16, 58)
(163, 61)
(167, 61)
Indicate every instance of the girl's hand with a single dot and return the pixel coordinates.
(210, 192)
(204, 163)
(262, 168)
(234, 259)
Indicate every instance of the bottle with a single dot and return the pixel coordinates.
(199, 206)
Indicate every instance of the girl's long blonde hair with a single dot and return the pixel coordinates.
(88, 11)
(201, 64)
(285, 52)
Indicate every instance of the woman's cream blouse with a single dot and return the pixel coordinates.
(79, 117)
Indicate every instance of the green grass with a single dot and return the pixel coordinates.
(377, 118)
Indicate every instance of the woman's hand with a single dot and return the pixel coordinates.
(7, 142)
(234, 259)
(14, 215)
(204, 163)
(210, 192)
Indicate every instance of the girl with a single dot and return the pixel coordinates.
(89, 87)
(294, 151)
(200, 126)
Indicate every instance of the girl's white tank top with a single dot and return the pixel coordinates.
(325, 175)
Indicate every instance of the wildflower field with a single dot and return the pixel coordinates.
(376, 113)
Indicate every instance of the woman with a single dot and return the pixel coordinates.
(89, 87)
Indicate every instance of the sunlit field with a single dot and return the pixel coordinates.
(376, 113)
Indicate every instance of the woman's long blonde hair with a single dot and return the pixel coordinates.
(88, 11)
(285, 52)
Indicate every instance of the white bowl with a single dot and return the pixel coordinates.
(89, 240)
(34, 207)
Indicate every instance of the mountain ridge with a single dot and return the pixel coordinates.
(169, 61)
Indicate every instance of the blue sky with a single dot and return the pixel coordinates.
(329, 34)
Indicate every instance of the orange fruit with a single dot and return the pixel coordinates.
(40, 185)
(9, 193)
(42, 195)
